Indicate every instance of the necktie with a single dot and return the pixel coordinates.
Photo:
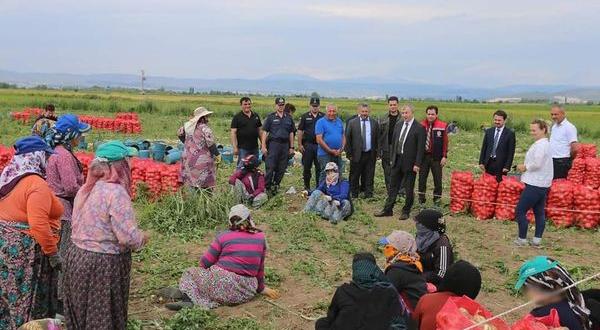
(428, 140)
(364, 135)
(496, 139)
(403, 137)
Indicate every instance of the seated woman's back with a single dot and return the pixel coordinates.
(239, 252)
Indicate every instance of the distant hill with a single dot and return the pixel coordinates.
(284, 83)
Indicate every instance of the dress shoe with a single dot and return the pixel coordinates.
(404, 216)
(384, 213)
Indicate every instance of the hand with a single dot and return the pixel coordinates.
(327, 198)
(273, 294)
(416, 169)
(236, 151)
(145, 237)
(264, 151)
(180, 131)
(55, 262)
(482, 167)
(301, 148)
(504, 170)
(521, 168)
(443, 161)
(291, 151)
(336, 203)
(305, 193)
(335, 152)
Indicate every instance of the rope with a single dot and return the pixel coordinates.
(307, 318)
(531, 302)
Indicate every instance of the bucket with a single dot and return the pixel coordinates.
(227, 156)
(173, 156)
(144, 153)
(144, 145)
(82, 144)
(158, 150)
(180, 146)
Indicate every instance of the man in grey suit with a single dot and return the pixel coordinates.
(361, 149)
(408, 148)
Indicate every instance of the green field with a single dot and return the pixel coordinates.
(308, 257)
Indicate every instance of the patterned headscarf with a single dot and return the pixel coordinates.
(555, 279)
(19, 166)
(56, 137)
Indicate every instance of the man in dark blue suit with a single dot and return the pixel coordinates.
(498, 149)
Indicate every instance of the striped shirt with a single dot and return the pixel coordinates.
(239, 252)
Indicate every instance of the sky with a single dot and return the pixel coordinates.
(483, 43)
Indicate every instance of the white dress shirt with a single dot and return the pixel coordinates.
(561, 137)
(367, 134)
(538, 163)
(407, 128)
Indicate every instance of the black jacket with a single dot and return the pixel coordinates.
(414, 146)
(505, 152)
(354, 143)
(353, 307)
(384, 129)
(437, 259)
(409, 282)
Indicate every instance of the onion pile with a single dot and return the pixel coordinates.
(509, 192)
(577, 171)
(171, 178)
(124, 122)
(586, 199)
(586, 150)
(592, 173)
(560, 197)
(461, 187)
(26, 115)
(6, 154)
(484, 196)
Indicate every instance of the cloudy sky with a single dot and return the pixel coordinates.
(465, 42)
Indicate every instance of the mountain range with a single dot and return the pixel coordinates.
(286, 84)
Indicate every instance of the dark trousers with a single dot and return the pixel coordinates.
(245, 152)
(532, 197)
(309, 159)
(494, 168)
(363, 171)
(429, 164)
(387, 170)
(276, 163)
(561, 167)
(401, 178)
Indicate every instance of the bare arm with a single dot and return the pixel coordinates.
(300, 134)
(291, 140)
(323, 144)
(234, 143)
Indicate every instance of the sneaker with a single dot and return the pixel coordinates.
(171, 293)
(521, 242)
(536, 242)
(179, 305)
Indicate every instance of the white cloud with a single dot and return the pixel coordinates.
(398, 13)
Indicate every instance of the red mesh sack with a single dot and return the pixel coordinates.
(577, 171)
(530, 322)
(461, 188)
(592, 173)
(586, 199)
(170, 179)
(509, 193)
(459, 313)
(484, 196)
(6, 155)
(153, 178)
(586, 150)
(560, 203)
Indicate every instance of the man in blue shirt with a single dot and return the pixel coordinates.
(329, 132)
(277, 144)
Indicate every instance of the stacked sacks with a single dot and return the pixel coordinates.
(124, 123)
(461, 189)
(6, 154)
(26, 115)
(170, 181)
(586, 199)
(138, 174)
(154, 172)
(484, 196)
(577, 171)
(85, 158)
(592, 173)
(509, 192)
(560, 202)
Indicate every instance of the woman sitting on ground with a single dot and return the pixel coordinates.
(249, 183)
(231, 272)
(543, 278)
(104, 232)
(433, 246)
(462, 279)
(369, 301)
(403, 267)
(29, 224)
(331, 199)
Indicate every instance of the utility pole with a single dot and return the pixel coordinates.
(143, 78)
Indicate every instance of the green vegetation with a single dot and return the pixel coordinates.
(308, 257)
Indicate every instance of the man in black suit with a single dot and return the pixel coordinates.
(408, 148)
(498, 149)
(361, 149)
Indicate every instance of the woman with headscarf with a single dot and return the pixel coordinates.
(403, 267)
(369, 301)
(433, 245)
(249, 183)
(104, 232)
(44, 123)
(231, 271)
(198, 169)
(462, 279)
(545, 281)
(331, 199)
(65, 173)
(29, 225)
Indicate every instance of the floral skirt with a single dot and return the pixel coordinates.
(96, 289)
(27, 282)
(210, 288)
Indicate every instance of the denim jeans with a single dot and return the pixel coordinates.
(326, 209)
(245, 152)
(532, 197)
(323, 160)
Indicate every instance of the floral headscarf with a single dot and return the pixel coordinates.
(20, 166)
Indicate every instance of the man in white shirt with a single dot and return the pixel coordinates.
(563, 141)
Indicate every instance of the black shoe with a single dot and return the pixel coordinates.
(179, 305)
(171, 293)
(404, 216)
(384, 213)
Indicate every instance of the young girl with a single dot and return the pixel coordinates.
(543, 278)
